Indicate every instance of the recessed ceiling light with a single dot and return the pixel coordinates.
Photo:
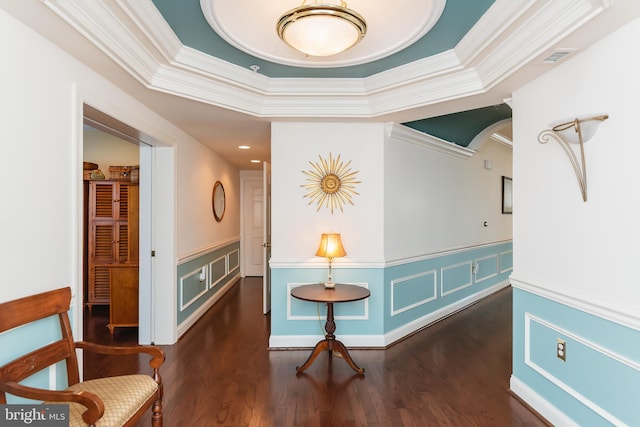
(255, 161)
(244, 147)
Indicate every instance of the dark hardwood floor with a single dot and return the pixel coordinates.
(220, 373)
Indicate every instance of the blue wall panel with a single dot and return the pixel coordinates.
(412, 291)
(401, 295)
(455, 279)
(220, 267)
(351, 318)
(599, 383)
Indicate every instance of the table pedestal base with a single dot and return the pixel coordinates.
(330, 345)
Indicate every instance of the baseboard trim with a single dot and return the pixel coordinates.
(442, 313)
(539, 404)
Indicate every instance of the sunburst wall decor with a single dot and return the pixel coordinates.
(331, 183)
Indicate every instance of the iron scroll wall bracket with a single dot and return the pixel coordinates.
(577, 131)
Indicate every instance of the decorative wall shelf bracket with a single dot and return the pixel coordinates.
(577, 131)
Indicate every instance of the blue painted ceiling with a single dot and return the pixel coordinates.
(461, 128)
(187, 21)
(472, 56)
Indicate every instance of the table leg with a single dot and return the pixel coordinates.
(319, 348)
(330, 344)
(340, 348)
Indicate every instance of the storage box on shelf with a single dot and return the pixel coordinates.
(126, 173)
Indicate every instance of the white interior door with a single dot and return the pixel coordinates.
(266, 241)
(253, 226)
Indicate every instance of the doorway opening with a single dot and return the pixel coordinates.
(116, 216)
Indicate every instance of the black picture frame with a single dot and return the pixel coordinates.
(507, 195)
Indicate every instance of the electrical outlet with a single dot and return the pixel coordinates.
(561, 350)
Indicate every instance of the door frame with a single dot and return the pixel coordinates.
(266, 238)
(246, 177)
(157, 294)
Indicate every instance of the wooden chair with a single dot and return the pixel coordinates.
(112, 401)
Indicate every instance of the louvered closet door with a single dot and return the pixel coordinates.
(101, 240)
(102, 246)
(101, 200)
(109, 235)
(121, 198)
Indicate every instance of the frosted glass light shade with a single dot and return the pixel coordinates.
(588, 126)
(321, 29)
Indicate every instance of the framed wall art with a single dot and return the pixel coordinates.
(507, 195)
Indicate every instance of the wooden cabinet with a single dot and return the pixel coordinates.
(123, 289)
(112, 229)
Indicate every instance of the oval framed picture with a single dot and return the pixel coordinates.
(218, 201)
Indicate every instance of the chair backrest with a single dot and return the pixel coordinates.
(29, 309)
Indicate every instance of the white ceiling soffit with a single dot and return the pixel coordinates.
(509, 35)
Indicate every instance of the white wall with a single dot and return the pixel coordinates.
(36, 166)
(413, 200)
(562, 244)
(435, 201)
(199, 168)
(296, 226)
(107, 150)
(41, 170)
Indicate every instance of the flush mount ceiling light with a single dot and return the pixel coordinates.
(388, 29)
(320, 29)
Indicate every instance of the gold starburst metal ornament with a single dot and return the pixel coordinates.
(331, 183)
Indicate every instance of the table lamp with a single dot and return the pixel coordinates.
(330, 248)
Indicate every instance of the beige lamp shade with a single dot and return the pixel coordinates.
(331, 246)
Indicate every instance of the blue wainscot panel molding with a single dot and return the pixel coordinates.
(298, 324)
(405, 297)
(203, 279)
(599, 382)
(461, 278)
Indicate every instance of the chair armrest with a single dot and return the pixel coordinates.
(155, 352)
(93, 403)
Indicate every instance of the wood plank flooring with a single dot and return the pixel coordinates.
(454, 373)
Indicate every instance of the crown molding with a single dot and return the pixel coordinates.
(534, 33)
(512, 32)
(490, 132)
(402, 133)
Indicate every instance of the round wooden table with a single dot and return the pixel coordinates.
(319, 294)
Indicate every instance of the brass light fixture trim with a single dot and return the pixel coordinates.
(331, 183)
(333, 16)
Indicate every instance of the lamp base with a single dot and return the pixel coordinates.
(329, 285)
